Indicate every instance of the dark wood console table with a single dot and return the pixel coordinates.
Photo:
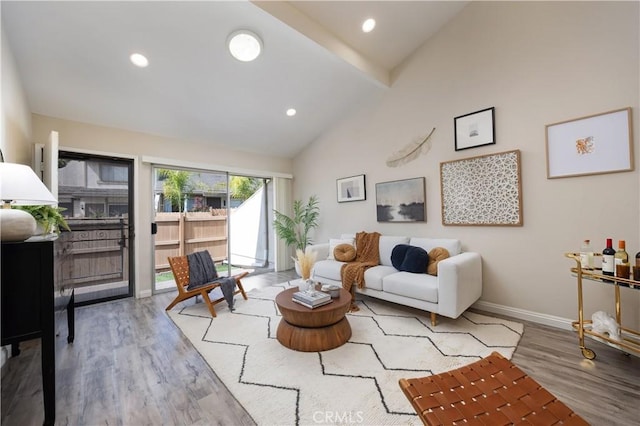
(32, 291)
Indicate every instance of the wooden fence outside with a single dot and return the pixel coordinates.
(96, 251)
(185, 233)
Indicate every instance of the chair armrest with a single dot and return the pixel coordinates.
(240, 275)
(322, 250)
(459, 283)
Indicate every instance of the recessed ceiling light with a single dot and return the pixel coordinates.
(139, 60)
(244, 45)
(291, 112)
(368, 25)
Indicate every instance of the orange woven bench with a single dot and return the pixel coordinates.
(490, 391)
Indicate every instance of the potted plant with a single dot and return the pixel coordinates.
(49, 219)
(295, 230)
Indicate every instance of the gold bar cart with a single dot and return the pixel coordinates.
(630, 339)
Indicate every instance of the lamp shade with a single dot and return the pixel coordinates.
(19, 185)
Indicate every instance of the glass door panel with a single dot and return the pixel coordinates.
(196, 210)
(97, 195)
(191, 215)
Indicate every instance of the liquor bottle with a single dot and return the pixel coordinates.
(638, 259)
(621, 257)
(608, 259)
(586, 255)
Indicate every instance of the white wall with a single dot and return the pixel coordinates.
(97, 139)
(16, 116)
(537, 63)
(16, 123)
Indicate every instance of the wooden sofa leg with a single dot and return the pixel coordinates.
(433, 319)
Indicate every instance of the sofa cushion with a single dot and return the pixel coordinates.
(334, 242)
(398, 254)
(329, 269)
(454, 247)
(415, 260)
(435, 256)
(344, 252)
(386, 245)
(373, 277)
(416, 286)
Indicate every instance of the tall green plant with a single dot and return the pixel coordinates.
(176, 187)
(243, 187)
(295, 230)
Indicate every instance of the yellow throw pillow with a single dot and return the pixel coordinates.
(436, 255)
(344, 252)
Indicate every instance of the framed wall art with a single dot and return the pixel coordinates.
(591, 145)
(401, 201)
(351, 189)
(483, 190)
(475, 129)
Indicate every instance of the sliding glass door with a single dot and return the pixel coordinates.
(190, 215)
(207, 210)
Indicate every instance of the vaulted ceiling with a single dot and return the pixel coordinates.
(73, 60)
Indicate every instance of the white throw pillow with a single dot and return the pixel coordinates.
(333, 242)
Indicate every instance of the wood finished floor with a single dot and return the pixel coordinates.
(130, 365)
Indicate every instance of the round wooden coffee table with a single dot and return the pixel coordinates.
(312, 330)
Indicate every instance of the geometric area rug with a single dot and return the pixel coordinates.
(356, 383)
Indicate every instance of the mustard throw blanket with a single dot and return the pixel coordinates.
(367, 255)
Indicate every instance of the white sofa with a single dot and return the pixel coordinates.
(456, 287)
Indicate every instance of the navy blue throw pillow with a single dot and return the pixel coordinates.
(415, 260)
(397, 255)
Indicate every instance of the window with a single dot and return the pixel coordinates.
(118, 210)
(94, 210)
(68, 208)
(113, 173)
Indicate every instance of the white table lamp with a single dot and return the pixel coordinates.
(20, 186)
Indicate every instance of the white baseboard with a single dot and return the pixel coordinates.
(550, 320)
(145, 293)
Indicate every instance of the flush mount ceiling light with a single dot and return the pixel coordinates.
(291, 112)
(368, 25)
(244, 45)
(139, 60)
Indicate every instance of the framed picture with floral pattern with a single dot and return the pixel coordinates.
(591, 145)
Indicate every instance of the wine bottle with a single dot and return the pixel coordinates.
(621, 257)
(638, 259)
(586, 255)
(608, 259)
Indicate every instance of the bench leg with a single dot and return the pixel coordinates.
(433, 318)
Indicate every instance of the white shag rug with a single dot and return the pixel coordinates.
(356, 383)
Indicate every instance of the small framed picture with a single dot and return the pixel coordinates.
(591, 145)
(351, 189)
(475, 129)
(401, 201)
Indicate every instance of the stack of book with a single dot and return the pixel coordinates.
(311, 300)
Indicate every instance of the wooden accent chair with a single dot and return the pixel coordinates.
(490, 391)
(180, 268)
